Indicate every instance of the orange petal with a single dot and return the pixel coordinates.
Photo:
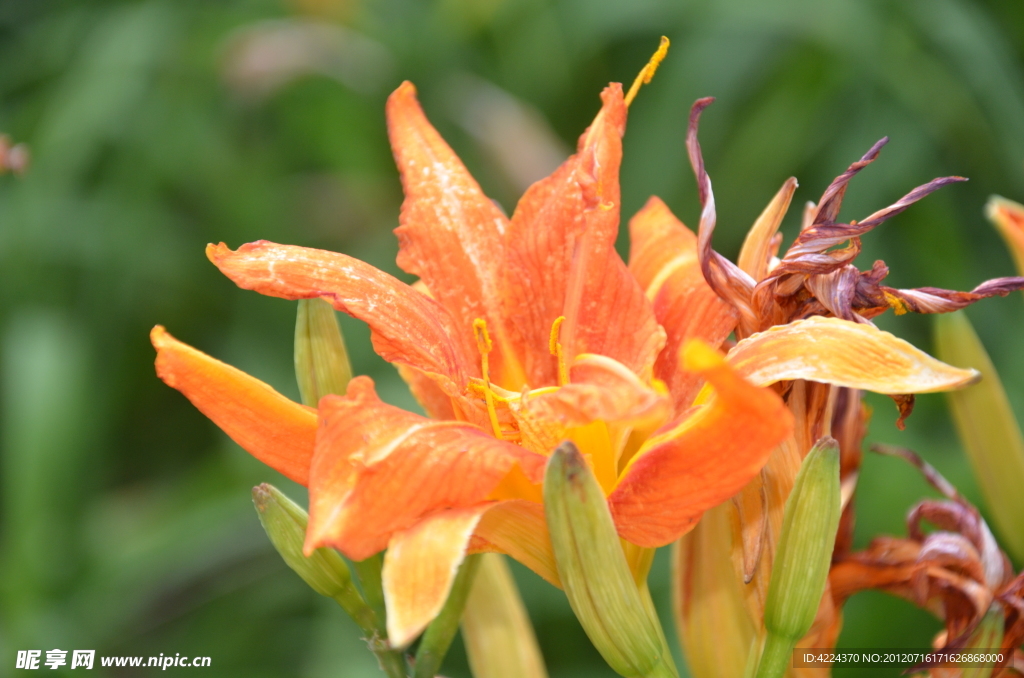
(845, 353)
(658, 241)
(434, 401)
(701, 461)
(451, 235)
(419, 568)
(378, 469)
(270, 427)
(518, 529)
(408, 327)
(663, 258)
(1008, 216)
(562, 260)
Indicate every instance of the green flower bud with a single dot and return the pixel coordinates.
(987, 428)
(325, 571)
(594, 571)
(801, 566)
(321, 360)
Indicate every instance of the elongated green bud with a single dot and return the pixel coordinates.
(325, 571)
(594, 571)
(804, 554)
(500, 642)
(321, 360)
(987, 428)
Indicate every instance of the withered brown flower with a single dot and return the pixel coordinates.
(957, 572)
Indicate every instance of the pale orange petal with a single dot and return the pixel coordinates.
(562, 260)
(270, 427)
(757, 248)
(378, 469)
(408, 327)
(701, 461)
(845, 353)
(451, 235)
(664, 259)
(419, 567)
(518, 528)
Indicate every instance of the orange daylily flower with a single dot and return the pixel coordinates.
(520, 334)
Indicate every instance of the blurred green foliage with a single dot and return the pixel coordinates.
(156, 127)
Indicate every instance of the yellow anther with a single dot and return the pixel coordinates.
(556, 350)
(895, 303)
(483, 344)
(647, 72)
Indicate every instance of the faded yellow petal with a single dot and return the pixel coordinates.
(420, 566)
(845, 353)
(518, 528)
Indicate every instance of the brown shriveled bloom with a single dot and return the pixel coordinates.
(772, 295)
(957, 572)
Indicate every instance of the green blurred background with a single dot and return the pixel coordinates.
(156, 127)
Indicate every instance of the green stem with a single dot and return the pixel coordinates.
(441, 632)
(391, 661)
(775, 657)
(373, 590)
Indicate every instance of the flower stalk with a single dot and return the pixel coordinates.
(439, 635)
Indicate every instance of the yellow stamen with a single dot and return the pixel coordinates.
(647, 72)
(556, 350)
(897, 304)
(483, 344)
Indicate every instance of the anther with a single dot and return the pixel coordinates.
(647, 72)
(483, 345)
(556, 350)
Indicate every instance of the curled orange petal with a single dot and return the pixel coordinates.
(701, 461)
(378, 469)
(270, 427)
(844, 353)
(408, 327)
(451, 235)
(419, 568)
